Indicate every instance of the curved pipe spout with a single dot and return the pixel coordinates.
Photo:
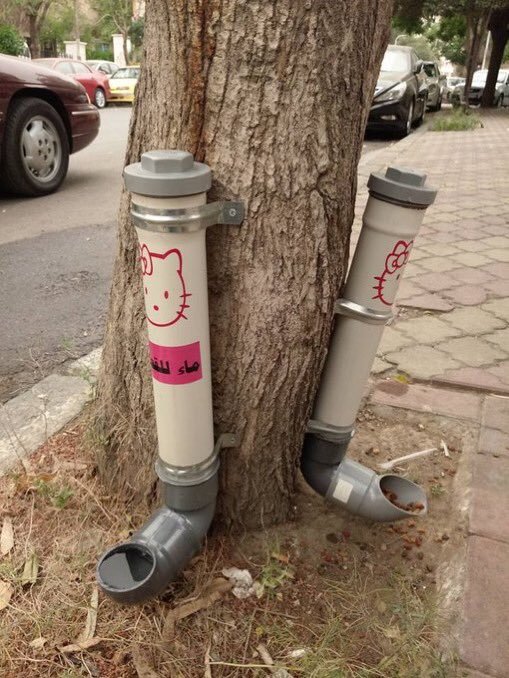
(142, 568)
(383, 498)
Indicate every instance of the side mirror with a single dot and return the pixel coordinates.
(418, 67)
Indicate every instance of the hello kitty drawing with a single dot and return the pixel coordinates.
(164, 286)
(387, 282)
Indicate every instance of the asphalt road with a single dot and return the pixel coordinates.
(56, 257)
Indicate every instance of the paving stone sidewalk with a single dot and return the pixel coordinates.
(451, 332)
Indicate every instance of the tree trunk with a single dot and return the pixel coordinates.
(476, 26)
(499, 28)
(33, 31)
(124, 48)
(274, 96)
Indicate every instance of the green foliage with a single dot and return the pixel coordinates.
(448, 37)
(136, 32)
(421, 45)
(408, 16)
(97, 52)
(58, 26)
(116, 14)
(11, 41)
(457, 121)
(59, 496)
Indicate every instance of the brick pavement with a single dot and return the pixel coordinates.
(451, 331)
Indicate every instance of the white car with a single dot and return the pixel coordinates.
(501, 97)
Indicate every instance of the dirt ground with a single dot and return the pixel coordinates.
(336, 596)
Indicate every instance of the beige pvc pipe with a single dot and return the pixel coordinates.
(384, 246)
(174, 269)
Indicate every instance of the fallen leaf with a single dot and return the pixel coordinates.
(208, 670)
(91, 622)
(79, 647)
(6, 592)
(6, 537)
(210, 595)
(392, 632)
(281, 557)
(445, 449)
(30, 570)
(141, 664)
(381, 606)
(38, 643)
(269, 662)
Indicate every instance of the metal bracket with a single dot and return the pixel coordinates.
(188, 219)
(226, 440)
(362, 313)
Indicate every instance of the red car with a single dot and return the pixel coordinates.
(95, 82)
(44, 117)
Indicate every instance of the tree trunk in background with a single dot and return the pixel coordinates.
(274, 96)
(476, 27)
(499, 28)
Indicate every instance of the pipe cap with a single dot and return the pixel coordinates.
(167, 174)
(402, 185)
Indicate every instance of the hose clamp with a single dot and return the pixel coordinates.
(198, 473)
(333, 434)
(189, 219)
(362, 313)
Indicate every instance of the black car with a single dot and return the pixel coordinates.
(401, 92)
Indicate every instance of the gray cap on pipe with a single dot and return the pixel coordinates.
(402, 185)
(167, 174)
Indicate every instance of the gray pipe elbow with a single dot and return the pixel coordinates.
(142, 568)
(357, 488)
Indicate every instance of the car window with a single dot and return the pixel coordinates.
(127, 73)
(104, 68)
(430, 70)
(64, 67)
(395, 60)
(80, 68)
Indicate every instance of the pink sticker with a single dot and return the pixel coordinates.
(176, 364)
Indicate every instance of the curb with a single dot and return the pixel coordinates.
(28, 420)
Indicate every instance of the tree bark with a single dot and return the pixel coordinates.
(476, 26)
(499, 29)
(274, 96)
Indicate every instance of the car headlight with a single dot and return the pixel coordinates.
(83, 98)
(392, 94)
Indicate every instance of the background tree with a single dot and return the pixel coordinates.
(269, 95)
(35, 12)
(117, 17)
(11, 41)
(499, 29)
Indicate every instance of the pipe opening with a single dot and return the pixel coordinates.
(404, 495)
(126, 567)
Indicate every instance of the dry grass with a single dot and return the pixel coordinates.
(350, 616)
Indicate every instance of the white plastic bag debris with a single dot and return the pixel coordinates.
(243, 584)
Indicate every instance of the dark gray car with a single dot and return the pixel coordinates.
(401, 92)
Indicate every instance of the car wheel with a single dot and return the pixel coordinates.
(408, 124)
(420, 119)
(500, 101)
(35, 155)
(439, 104)
(100, 98)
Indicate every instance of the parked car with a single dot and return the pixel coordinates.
(450, 84)
(105, 67)
(500, 98)
(44, 116)
(436, 83)
(401, 92)
(123, 83)
(94, 82)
